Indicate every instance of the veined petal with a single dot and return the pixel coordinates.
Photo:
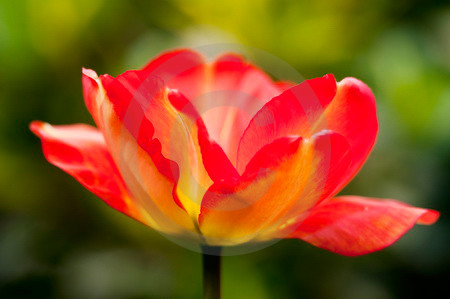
(295, 112)
(150, 175)
(353, 225)
(80, 150)
(234, 212)
(176, 133)
(332, 157)
(215, 161)
(227, 92)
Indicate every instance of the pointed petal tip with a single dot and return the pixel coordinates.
(429, 217)
(330, 76)
(89, 73)
(37, 126)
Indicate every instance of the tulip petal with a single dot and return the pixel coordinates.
(90, 93)
(295, 112)
(151, 177)
(352, 113)
(332, 157)
(353, 225)
(268, 195)
(227, 92)
(147, 101)
(233, 71)
(235, 212)
(234, 91)
(215, 160)
(284, 85)
(182, 69)
(80, 150)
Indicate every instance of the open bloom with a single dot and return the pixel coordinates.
(219, 153)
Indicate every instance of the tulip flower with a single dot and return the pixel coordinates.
(219, 153)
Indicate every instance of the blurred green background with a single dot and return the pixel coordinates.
(58, 241)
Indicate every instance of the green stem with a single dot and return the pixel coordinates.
(211, 272)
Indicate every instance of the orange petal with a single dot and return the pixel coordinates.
(150, 176)
(332, 158)
(236, 212)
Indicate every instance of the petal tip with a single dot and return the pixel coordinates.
(89, 73)
(177, 99)
(353, 83)
(429, 217)
(37, 127)
(230, 57)
(330, 77)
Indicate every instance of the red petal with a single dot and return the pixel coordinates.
(232, 72)
(333, 156)
(294, 112)
(227, 93)
(80, 151)
(90, 92)
(352, 225)
(181, 69)
(284, 85)
(352, 113)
